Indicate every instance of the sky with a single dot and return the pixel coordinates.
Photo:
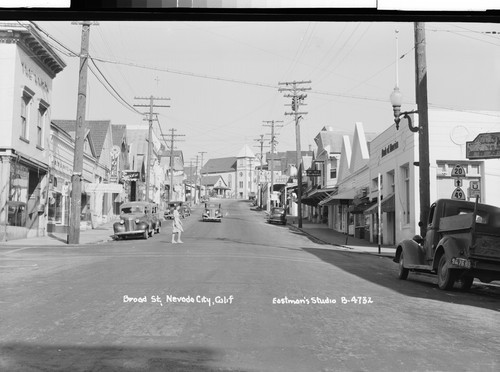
(223, 78)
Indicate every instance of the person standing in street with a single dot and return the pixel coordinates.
(177, 226)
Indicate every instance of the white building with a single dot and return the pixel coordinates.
(394, 155)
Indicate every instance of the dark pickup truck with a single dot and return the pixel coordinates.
(462, 243)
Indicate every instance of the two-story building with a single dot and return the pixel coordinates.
(27, 69)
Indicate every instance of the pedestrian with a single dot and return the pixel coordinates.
(177, 226)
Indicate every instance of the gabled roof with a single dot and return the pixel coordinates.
(219, 165)
(210, 180)
(70, 130)
(246, 152)
(98, 130)
(119, 134)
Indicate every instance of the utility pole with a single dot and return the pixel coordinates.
(150, 135)
(172, 138)
(423, 120)
(271, 124)
(259, 196)
(76, 177)
(196, 179)
(295, 105)
(201, 173)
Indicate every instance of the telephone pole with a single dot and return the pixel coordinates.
(259, 196)
(76, 177)
(173, 138)
(423, 122)
(201, 173)
(297, 101)
(150, 135)
(271, 123)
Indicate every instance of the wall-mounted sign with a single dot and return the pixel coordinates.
(128, 175)
(390, 148)
(313, 172)
(484, 146)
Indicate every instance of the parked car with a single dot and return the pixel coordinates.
(462, 243)
(212, 212)
(137, 219)
(277, 215)
(169, 212)
(185, 210)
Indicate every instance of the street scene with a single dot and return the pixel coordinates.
(216, 195)
(242, 295)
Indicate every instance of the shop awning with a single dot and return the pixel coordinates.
(360, 208)
(317, 195)
(387, 205)
(334, 199)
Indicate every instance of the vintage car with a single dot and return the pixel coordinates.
(277, 215)
(212, 212)
(185, 210)
(137, 219)
(462, 243)
(169, 212)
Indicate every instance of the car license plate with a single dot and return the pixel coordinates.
(461, 262)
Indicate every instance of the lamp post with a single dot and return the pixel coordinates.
(423, 122)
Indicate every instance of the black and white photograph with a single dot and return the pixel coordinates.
(249, 188)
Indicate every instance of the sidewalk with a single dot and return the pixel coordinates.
(98, 235)
(326, 235)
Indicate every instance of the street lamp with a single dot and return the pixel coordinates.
(396, 101)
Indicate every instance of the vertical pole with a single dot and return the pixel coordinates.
(379, 213)
(76, 177)
(421, 95)
(272, 167)
(171, 189)
(260, 173)
(148, 164)
(299, 166)
(201, 173)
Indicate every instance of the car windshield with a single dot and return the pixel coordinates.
(212, 206)
(132, 209)
(278, 210)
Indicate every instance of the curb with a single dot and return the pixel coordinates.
(349, 249)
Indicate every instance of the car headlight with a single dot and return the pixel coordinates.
(122, 222)
(137, 220)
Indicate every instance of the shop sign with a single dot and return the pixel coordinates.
(390, 148)
(34, 77)
(484, 146)
(313, 172)
(114, 188)
(128, 175)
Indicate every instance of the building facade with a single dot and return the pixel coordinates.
(27, 69)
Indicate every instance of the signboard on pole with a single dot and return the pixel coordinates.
(458, 171)
(458, 193)
(313, 172)
(484, 146)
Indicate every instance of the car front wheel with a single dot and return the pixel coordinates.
(402, 272)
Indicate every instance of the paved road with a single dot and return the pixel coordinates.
(240, 295)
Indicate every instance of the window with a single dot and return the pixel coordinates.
(405, 171)
(40, 124)
(26, 106)
(241, 184)
(333, 173)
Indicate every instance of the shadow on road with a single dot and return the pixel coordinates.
(31, 357)
(383, 272)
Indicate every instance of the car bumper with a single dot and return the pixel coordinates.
(134, 232)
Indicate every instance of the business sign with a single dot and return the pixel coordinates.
(112, 188)
(313, 172)
(484, 146)
(128, 175)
